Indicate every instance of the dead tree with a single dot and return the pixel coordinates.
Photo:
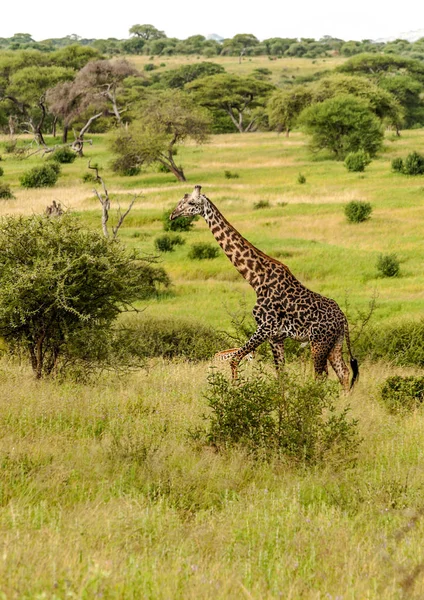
(105, 202)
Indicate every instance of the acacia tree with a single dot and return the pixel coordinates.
(285, 106)
(236, 96)
(343, 124)
(167, 119)
(147, 32)
(62, 286)
(27, 88)
(95, 91)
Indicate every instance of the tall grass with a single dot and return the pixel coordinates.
(104, 493)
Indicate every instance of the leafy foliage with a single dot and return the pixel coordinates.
(43, 176)
(167, 242)
(403, 393)
(63, 155)
(202, 251)
(5, 192)
(401, 343)
(178, 224)
(280, 417)
(357, 161)
(397, 165)
(62, 285)
(170, 338)
(166, 119)
(343, 124)
(413, 164)
(357, 211)
(388, 265)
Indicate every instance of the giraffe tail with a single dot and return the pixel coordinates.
(353, 362)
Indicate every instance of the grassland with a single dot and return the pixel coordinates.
(281, 68)
(103, 493)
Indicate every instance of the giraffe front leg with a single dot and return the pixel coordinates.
(256, 340)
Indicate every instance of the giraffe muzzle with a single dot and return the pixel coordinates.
(175, 213)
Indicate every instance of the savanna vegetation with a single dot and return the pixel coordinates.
(130, 465)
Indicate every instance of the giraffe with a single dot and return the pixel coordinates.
(284, 307)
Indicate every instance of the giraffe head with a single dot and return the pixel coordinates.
(190, 205)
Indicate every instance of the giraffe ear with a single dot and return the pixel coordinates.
(196, 192)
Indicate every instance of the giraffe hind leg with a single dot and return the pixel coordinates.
(339, 366)
(320, 354)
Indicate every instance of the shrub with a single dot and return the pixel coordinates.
(261, 204)
(401, 344)
(167, 242)
(10, 147)
(301, 179)
(149, 67)
(127, 165)
(402, 393)
(358, 211)
(397, 165)
(343, 124)
(357, 161)
(414, 164)
(44, 176)
(202, 251)
(388, 265)
(170, 338)
(5, 192)
(63, 155)
(230, 175)
(1, 171)
(280, 417)
(62, 288)
(88, 178)
(178, 224)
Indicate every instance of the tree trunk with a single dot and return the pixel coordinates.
(54, 127)
(65, 133)
(170, 163)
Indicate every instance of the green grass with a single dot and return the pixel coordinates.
(103, 493)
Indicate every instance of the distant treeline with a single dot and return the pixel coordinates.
(148, 40)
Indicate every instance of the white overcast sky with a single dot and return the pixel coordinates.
(356, 20)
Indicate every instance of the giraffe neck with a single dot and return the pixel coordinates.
(250, 262)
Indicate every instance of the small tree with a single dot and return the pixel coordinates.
(343, 124)
(167, 119)
(61, 285)
(284, 107)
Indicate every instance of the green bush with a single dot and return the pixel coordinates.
(357, 161)
(62, 288)
(63, 155)
(397, 165)
(202, 251)
(414, 164)
(127, 165)
(230, 175)
(88, 178)
(402, 393)
(358, 211)
(402, 343)
(301, 179)
(44, 176)
(261, 204)
(388, 265)
(178, 224)
(170, 338)
(5, 192)
(1, 171)
(167, 242)
(280, 417)
(343, 124)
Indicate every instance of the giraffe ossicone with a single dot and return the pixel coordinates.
(284, 307)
